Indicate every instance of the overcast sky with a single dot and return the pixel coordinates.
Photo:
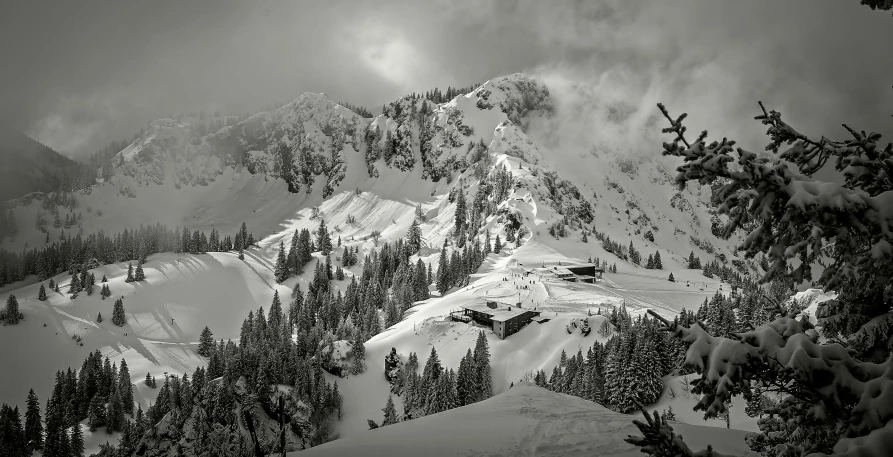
(78, 75)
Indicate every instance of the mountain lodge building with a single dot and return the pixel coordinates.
(504, 319)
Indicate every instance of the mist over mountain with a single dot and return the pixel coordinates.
(27, 166)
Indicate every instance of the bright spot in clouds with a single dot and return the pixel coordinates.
(393, 57)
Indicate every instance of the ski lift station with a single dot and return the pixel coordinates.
(504, 319)
(573, 272)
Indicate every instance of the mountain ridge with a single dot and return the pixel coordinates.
(28, 166)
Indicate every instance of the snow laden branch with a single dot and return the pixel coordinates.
(844, 406)
(798, 214)
(660, 440)
(799, 222)
(831, 399)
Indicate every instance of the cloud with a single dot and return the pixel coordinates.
(81, 76)
(391, 55)
(713, 60)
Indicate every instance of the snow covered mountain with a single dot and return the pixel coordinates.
(329, 149)
(282, 171)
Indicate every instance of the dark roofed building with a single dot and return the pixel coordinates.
(505, 320)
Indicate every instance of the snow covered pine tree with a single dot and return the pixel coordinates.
(835, 398)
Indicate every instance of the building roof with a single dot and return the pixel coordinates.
(561, 271)
(499, 314)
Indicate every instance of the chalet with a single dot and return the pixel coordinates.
(504, 319)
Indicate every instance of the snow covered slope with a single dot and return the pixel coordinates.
(536, 346)
(179, 178)
(524, 421)
(216, 290)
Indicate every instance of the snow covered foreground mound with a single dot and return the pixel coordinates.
(525, 420)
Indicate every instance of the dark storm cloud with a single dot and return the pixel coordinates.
(80, 74)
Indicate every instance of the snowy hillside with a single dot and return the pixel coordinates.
(537, 346)
(285, 170)
(526, 420)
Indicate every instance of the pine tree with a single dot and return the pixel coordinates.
(139, 275)
(42, 293)
(96, 413)
(420, 282)
(125, 388)
(392, 315)
(358, 354)
(443, 276)
(282, 272)
(466, 380)
(497, 245)
(244, 236)
(461, 211)
(657, 263)
(75, 285)
(671, 278)
(76, 441)
(105, 292)
(114, 412)
(118, 316)
(390, 413)
(276, 316)
(99, 317)
(482, 367)
(650, 264)
(329, 274)
(206, 342)
(129, 273)
(419, 215)
(11, 314)
(33, 424)
(414, 237)
(372, 321)
(90, 282)
(322, 237)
